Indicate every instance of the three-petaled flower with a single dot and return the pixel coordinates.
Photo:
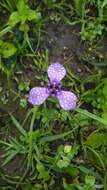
(56, 73)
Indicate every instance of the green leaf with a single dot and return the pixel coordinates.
(11, 155)
(86, 170)
(87, 187)
(23, 102)
(104, 115)
(72, 171)
(96, 140)
(59, 136)
(67, 148)
(22, 14)
(79, 7)
(33, 15)
(73, 152)
(21, 6)
(93, 116)
(26, 13)
(5, 30)
(104, 3)
(105, 89)
(105, 182)
(96, 157)
(18, 126)
(24, 27)
(1, 42)
(43, 174)
(90, 180)
(14, 19)
(8, 49)
(63, 163)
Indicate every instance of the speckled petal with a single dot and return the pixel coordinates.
(37, 95)
(67, 100)
(56, 72)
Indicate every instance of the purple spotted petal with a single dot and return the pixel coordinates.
(38, 95)
(67, 100)
(56, 72)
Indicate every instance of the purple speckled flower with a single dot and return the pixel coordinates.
(56, 73)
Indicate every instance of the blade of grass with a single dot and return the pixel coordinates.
(92, 116)
(56, 137)
(5, 30)
(98, 156)
(10, 156)
(29, 158)
(5, 143)
(18, 126)
(31, 136)
(28, 114)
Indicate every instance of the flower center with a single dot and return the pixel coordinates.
(54, 88)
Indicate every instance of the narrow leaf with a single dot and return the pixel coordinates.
(18, 126)
(56, 137)
(93, 116)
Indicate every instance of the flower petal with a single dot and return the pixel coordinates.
(38, 95)
(67, 100)
(56, 72)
